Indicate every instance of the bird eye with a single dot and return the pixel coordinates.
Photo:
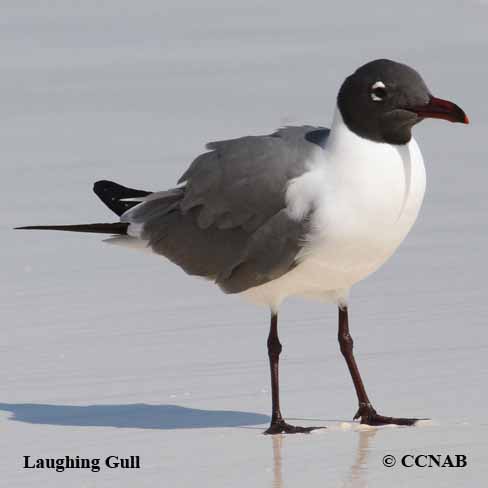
(378, 91)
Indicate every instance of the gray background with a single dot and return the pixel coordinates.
(131, 91)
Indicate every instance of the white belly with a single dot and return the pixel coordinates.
(362, 209)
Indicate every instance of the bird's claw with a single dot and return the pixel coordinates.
(369, 416)
(281, 427)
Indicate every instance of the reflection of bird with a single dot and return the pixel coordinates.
(357, 475)
(277, 461)
(304, 211)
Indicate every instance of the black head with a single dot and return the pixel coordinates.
(383, 100)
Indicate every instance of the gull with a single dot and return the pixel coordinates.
(305, 211)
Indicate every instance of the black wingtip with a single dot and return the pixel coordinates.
(30, 227)
(119, 228)
(112, 195)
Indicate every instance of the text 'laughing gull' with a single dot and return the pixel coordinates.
(305, 211)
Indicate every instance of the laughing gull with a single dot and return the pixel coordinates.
(305, 211)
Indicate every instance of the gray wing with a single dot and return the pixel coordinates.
(227, 222)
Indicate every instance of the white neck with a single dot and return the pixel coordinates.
(342, 140)
(354, 168)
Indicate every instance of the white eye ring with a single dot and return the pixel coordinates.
(374, 96)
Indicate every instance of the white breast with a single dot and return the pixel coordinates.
(363, 198)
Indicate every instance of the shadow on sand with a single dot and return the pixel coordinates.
(137, 416)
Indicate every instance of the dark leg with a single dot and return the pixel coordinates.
(366, 411)
(278, 424)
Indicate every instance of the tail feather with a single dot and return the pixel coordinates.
(117, 228)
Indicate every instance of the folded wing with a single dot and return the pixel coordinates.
(228, 221)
